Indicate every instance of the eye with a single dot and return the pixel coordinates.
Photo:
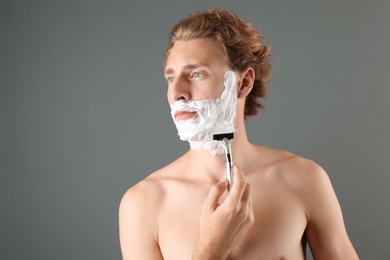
(197, 74)
(170, 79)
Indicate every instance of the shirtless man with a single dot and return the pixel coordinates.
(278, 201)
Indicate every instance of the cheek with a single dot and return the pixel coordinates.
(209, 89)
(171, 98)
(218, 89)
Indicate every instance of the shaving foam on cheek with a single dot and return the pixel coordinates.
(214, 117)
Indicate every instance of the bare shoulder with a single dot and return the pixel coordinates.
(139, 206)
(289, 165)
(310, 185)
(148, 195)
(138, 219)
(302, 176)
(145, 195)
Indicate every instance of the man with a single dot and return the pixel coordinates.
(217, 68)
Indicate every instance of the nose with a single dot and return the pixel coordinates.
(179, 89)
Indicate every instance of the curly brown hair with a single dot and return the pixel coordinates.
(240, 42)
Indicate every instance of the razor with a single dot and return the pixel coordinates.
(225, 140)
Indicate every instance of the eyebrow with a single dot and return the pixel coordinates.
(187, 67)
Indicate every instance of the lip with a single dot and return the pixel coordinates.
(184, 115)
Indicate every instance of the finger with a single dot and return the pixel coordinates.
(215, 193)
(247, 194)
(247, 199)
(238, 182)
(246, 203)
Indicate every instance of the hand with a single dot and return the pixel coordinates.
(222, 226)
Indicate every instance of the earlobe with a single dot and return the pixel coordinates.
(245, 85)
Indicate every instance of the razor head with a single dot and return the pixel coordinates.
(220, 137)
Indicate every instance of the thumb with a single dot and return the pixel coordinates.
(215, 193)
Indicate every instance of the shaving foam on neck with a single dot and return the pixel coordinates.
(214, 117)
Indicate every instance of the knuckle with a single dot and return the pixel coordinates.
(247, 194)
(233, 210)
(248, 188)
(242, 215)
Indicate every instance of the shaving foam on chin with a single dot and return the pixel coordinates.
(214, 117)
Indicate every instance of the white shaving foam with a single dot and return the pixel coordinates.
(214, 117)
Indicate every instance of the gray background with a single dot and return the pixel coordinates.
(84, 114)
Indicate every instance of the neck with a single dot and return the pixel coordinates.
(213, 167)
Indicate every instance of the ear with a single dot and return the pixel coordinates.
(245, 83)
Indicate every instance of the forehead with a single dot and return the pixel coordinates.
(195, 51)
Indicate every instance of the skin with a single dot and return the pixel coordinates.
(277, 203)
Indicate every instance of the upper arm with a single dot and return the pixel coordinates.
(137, 226)
(325, 231)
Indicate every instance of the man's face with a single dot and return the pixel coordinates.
(194, 71)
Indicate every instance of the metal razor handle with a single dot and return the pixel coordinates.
(229, 166)
(229, 163)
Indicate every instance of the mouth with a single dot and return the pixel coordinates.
(185, 115)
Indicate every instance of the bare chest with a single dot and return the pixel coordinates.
(276, 234)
